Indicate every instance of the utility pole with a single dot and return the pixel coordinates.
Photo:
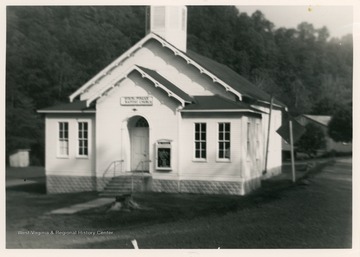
(268, 135)
(292, 151)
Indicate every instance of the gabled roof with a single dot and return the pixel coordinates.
(217, 103)
(219, 73)
(118, 62)
(154, 77)
(232, 78)
(176, 90)
(320, 119)
(74, 107)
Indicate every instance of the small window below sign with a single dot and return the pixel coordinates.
(163, 155)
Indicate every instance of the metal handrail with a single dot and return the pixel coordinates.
(141, 163)
(113, 165)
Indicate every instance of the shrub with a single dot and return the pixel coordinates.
(312, 140)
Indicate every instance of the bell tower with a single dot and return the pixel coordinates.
(169, 22)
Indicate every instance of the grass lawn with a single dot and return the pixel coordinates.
(30, 173)
(280, 215)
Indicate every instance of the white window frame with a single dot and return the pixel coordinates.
(78, 155)
(61, 139)
(163, 144)
(223, 141)
(200, 159)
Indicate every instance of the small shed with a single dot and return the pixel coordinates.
(19, 158)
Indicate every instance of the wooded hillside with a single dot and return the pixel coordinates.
(51, 51)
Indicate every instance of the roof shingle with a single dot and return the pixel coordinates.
(177, 91)
(217, 102)
(321, 119)
(75, 107)
(232, 78)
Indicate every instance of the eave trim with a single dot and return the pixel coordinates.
(63, 111)
(143, 74)
(107, 70)
(220, 110)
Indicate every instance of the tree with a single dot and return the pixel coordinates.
(312, 140)
(22, 127)
(340, 125)
(325, 106)
(52, 50)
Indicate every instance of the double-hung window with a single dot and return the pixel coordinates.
(224, 141)
(200, 140)
(63, 139)
(83, 140)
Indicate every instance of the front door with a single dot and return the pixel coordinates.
(140, 149)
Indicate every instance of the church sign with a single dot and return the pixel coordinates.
(136, 100)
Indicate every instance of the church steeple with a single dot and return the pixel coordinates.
(169, 22)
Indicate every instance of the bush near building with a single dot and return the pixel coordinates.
(311, 141)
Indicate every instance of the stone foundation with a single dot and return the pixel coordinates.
(69, 184)
(167, 186)
(139, 183)
(206, 187)
(210, 187)
(142, 184)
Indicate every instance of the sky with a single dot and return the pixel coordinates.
(283, 13)
(338, 19)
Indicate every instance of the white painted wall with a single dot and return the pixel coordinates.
(73, 165)
(113, 142)
(252, 154)
(213, 168)
(275, 146)
(112, 132)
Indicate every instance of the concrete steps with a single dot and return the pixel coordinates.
(126, 184)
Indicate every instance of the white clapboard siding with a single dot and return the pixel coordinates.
(73, 164)
(113, 142)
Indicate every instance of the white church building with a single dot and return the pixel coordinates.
(163, 118)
